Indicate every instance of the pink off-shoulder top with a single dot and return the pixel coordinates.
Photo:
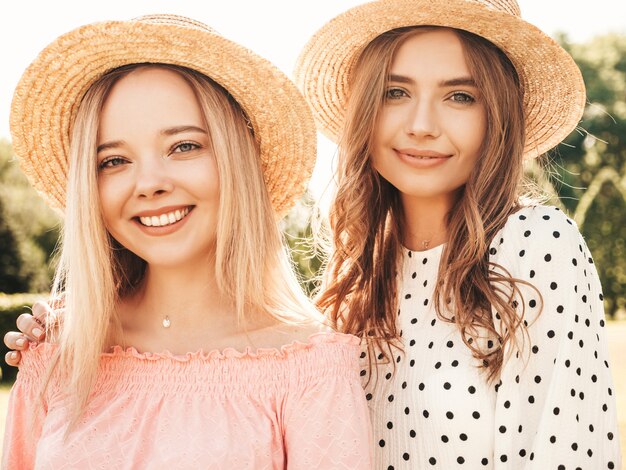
(300, 407)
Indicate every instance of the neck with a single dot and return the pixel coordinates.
(191, 294)
(201, 317)
(425, 220)
(183, 302)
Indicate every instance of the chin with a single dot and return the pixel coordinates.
(421, 193)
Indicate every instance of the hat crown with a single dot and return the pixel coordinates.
(508, 6)
(174, 20)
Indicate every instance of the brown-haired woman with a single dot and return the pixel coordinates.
(481, 309)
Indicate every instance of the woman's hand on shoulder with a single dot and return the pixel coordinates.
(31, 327)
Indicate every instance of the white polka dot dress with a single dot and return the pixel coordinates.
(553, 406)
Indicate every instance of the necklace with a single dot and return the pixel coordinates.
(166, 322)
(425, 232)
(425, 243)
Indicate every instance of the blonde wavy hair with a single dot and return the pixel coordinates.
(95, 271)
(366, 218)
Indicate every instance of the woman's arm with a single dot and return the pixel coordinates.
(28, 406)
(326, 423)
(555, 404)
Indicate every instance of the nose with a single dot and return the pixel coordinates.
(152, 178)
(423, 120)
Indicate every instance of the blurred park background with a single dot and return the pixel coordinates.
(585, 176)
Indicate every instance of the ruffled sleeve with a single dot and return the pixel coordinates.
(555, 405)
(27, 409)
(326, 420)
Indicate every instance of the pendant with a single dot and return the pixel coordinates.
(166, 322)
(425, 244)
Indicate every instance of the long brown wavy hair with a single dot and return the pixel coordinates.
(367, 220)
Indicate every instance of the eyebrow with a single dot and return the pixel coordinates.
(460, 81)
(167, 132)
(181, 129)
(110, 145)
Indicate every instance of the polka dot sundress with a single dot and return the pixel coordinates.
(553, 405)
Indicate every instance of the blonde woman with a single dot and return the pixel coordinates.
(185, 341)
(482, 309)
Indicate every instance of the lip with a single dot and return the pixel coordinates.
(418, 158)
(162, 210)
(164, 230)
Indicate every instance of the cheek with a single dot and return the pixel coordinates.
(468, 134)
(212, 180)
(111, 194)
(388, 123)
(382, 133)
(203, 180)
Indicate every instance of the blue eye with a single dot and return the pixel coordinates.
(395, 93)
(185, 147)
(462, 97)
(111, 162)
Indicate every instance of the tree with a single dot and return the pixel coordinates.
(589, 169)
(303, 248)
(29, 230)
(10, 262)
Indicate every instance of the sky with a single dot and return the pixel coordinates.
(275, 29)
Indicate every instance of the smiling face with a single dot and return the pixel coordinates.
(432, 125)
(157, 179)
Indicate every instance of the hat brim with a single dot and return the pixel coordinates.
(49, 93)
(552, 84)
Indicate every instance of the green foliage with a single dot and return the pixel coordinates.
(11, 307)
(10, 261)
(307, 259)
(589, 171)
(29, 230)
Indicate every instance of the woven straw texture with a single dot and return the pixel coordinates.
(48, 95)
(554, 92)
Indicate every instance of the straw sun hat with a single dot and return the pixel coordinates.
(554, 92)
(48, 95)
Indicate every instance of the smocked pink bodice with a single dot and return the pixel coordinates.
(300, 407)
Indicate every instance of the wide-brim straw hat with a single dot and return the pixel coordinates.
(49, 93)
(552, 85)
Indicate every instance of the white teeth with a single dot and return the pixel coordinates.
(164, 219)
(420, 157)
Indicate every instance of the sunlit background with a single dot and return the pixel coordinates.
(588, 177)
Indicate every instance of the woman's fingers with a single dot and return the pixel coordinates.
(31, 326)
(15, 340)
(41, 312)
(13, 358)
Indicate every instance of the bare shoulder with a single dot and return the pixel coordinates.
(281, 334)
